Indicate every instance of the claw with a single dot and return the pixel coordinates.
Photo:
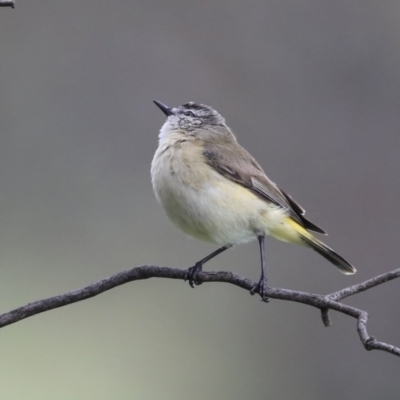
(192, 274)
(261, 289)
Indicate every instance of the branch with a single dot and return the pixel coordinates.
(322, 302)
(7, 3)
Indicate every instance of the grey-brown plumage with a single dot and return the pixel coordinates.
(248, 173)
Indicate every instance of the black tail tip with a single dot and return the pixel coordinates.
(343, 266)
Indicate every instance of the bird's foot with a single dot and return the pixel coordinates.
(192, 274)
(261, 289)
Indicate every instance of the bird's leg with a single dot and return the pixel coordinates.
(261, 287)
(193, 272)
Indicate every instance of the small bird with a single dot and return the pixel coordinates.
(215, 191)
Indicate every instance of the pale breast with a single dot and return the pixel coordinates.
(203, 203)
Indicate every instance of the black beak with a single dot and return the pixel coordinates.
(166, 110)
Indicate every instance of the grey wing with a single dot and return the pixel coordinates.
(239, 166)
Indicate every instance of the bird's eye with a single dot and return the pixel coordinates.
(188, 113)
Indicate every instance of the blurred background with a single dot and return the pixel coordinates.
(312, 90)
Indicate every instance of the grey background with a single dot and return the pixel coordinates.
(312, 90)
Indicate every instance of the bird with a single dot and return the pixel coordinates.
(215, 191)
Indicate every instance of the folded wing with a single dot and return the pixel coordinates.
(236, 164)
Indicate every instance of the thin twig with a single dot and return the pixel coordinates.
(361, 287)
(7, 3)
(352, 290)
(322, 302)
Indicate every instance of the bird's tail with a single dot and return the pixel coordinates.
(326, 252)
(321, 248)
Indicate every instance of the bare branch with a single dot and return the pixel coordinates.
(7, 3)
(326, 318)
(322, 302)
(361, 287)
